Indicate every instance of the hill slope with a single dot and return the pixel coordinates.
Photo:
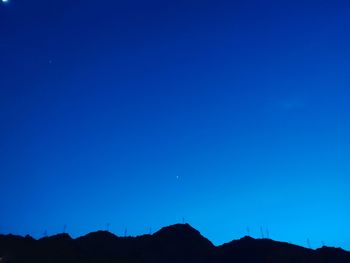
(172, 244)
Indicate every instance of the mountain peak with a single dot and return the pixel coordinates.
(62, 236)
(97, 235)
(180, 228)
(183, 234)
(247, 238)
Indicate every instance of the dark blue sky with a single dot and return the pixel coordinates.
(232, 114)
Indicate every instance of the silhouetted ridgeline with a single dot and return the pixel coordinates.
(176, 243)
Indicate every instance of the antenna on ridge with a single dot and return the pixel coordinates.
(262, 232)
(308, 243)
(107, 226)
(267, 233)
(64, 229)
(323, 244)
(125, 231)
(150, 230)
(248, 231)
(45, 233)
(183, 220)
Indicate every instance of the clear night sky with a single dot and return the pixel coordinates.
(231, 114)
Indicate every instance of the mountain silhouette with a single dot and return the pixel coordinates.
(175, 243)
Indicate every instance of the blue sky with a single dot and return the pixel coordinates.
(231, 114)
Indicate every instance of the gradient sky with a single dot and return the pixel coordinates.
(231, 114)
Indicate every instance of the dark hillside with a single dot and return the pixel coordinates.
(172, 244)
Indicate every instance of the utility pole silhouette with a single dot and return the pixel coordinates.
(262, 232)
(267, 233)
(308, 243)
